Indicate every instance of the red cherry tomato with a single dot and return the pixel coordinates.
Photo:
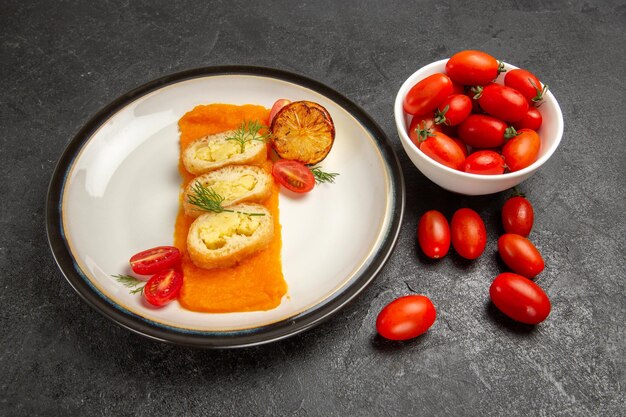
(163, 287)
(421, 126)
(453, 110)
(522, 150)
(518, 216)
(406, 317)
(485, 163)
(526, 83)
(503, 102)
(462, 145)
(278, 105)
(520, 298)
(293, 175)
(519, 254)
(153, 260)
(433, 234)
(444, 150)
(532, 120)
(457, 88)
(468, 233)
(472, 68)
(426, 95)
(483, 131)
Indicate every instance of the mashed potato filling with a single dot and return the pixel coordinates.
(223, 226)
(214, 151)
(232, 190)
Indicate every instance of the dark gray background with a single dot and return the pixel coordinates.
(62, 61)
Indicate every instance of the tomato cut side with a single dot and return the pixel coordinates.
(293, 175)
(153, 260)
(163, 287)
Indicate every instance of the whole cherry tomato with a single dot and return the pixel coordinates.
(519, 254)
(503, 102)
(522, 150)
(472, 67)
(427, 94)
(433, 234)
(526, 83)
(532, 120)
(518, 216)
(520, 298)
(462, 145)
(468, 233)
(406, 317)
(444, 150)
(484, 131)
(485, 163)
(453, 110)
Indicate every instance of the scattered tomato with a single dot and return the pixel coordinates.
(406, 317)
(472, 67)
(433, 234)
(520, 298)
(519, 254)
(468, 233)
(483, 131)
(293, 175)
(444, 150)
(532, 120)
(503, 102)
(163, 287)
(522, 150)
(453, 110)
(153, 260)
(427, 94)
(526, 83)
(278, 105)
(518, 216)
(485, 163)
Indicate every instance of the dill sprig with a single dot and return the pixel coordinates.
(248, 132)
(207, 199)
(130, 282)
(321, 176)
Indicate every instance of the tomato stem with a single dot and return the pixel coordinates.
(501, 68)
(423, 133)
(510, 132)
(440, 116)
(517, 193)
(540, 92)
(477, 90)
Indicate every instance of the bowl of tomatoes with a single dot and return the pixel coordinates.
(475, 125)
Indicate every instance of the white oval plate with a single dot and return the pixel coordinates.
(115, 192)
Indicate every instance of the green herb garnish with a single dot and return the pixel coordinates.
(248, 132)
(321, 176)
(130, 282)
(207, 199)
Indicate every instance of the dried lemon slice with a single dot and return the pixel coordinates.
(303, 131)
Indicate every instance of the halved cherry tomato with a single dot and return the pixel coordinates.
(427, 94)
(293, 175)
(433, 234)
(503, 102)
(519, 254)
(518, 216)
(453, 110)
(278, 105)
(522, 150)
(472, 68)
(163, 287)
(483, 131)
(485, 163)
(421, 126)
(468, 233)
(153, 260)
(532, 120)
(526, 83)
(520, 298)
(406, 317)
(444, 150)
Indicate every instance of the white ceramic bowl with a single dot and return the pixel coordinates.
(550, 133)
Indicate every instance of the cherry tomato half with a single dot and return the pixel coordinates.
(532, 120)
(427, 94)
(453, 110)
(163, 287)
(522, 150)
(518, 216)
(153, 260)
(468, 233)
(526, 83)
(503, 102)
(472, 67)
(433, 234)
(406, 317)
(520, 298)
(278, 105)
(485, 163)
(519, 254)
(483, 131)
(444, 150)
(293, 175)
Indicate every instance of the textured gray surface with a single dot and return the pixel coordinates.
(62, 61)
